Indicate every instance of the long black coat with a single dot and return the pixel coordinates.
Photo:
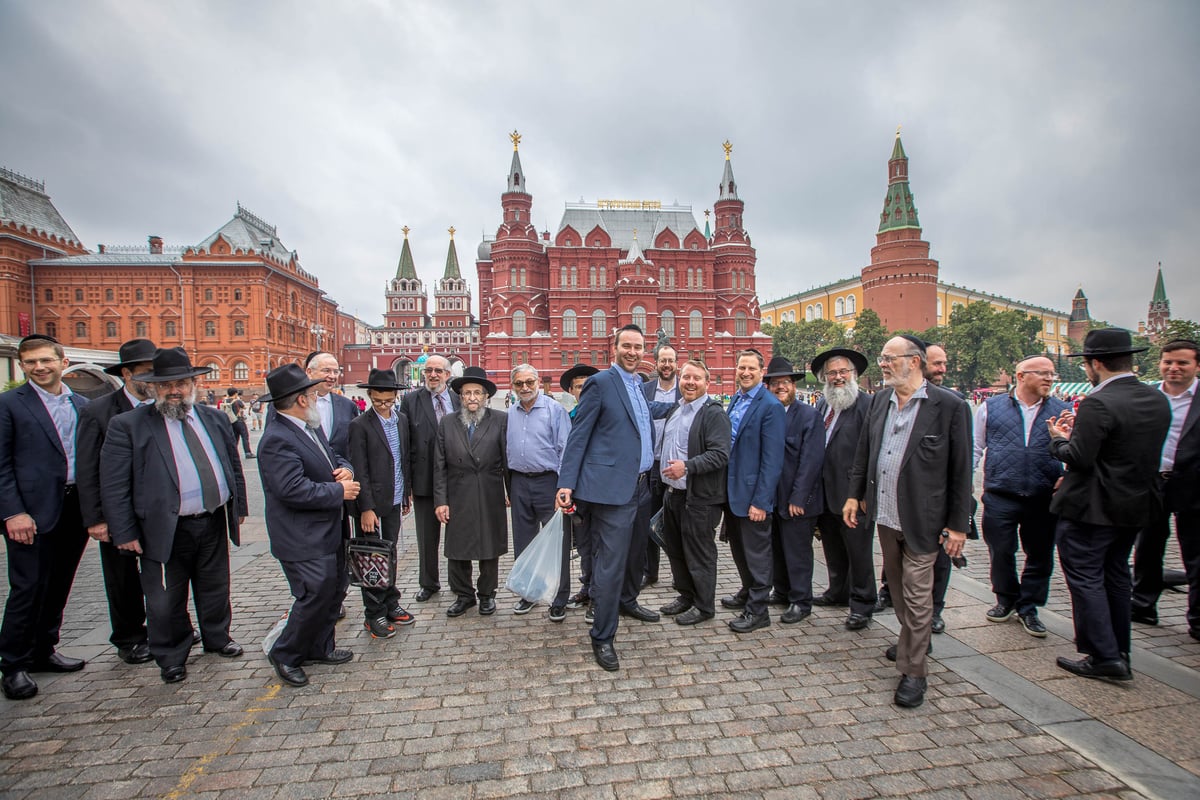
(840, 450)
(472, 478)
(89, 438)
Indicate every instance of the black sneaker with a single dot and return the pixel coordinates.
(380, 628)
(1000, 613)
(1032, 625)
(590, 614)
(578, 600)
(558, 613)
(523, 606)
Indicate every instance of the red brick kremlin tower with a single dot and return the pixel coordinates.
(556, 302)
(900, 285)
(1159, 312)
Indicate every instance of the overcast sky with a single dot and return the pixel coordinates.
(1051, 144)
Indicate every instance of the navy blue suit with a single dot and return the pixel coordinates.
(799, 485)
(657, 487)
(306, 524)
(33, 481)
(755, 465)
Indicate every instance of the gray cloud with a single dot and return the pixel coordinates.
(1047, 141)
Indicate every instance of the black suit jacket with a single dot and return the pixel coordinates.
(1183, 488)
(139, 483)
(374, 467)
(89, 438)
(840, 450)
(933, 492)
(33, 464)
(422, 429)
(1113, 456)
(803, 457)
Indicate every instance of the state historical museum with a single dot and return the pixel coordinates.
(555, 302)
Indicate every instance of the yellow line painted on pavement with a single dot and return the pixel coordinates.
(188, 778)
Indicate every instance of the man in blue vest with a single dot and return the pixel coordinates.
(1019, 478)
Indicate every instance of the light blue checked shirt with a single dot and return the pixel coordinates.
(897, 428)
(391, 430)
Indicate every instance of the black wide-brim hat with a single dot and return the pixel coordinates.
(473, 375)
(286, 381)
(578, 371)
(1108, 342)
(135, 351)
(170, 364)
(780, 367)
(857, 359)
(382, 380)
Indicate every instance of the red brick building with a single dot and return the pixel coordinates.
(553, 302)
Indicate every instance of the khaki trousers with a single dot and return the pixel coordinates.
(913, 573)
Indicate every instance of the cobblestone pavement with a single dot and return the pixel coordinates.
(513, 706)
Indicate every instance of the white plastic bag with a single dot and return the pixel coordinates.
(273, 634)
(536, 572)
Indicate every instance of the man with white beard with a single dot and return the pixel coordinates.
(848, 551)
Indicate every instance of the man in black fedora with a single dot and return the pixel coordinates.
(382, 462)
(1111, 450)
(173, 491)
(305, 485)
(122, 584)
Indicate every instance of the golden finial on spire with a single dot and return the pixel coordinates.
(450, 230)
(516, 139)
(405, 230)
(728, 148)
(635, 234)
(898, 131)
(706, 213)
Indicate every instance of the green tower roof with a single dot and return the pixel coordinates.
(452, 259)
(899, 210)
(1160, 291)
(406, 268)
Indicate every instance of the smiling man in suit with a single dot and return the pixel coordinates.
(306, 485)
(45, 536)
(173, 492)
(337, 411)
(424, 409)
(382, 461)
(912, 478)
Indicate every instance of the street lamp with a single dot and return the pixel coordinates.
(317, 331)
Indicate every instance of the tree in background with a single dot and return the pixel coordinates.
(868, 337)
(798, 342)
(981, 342)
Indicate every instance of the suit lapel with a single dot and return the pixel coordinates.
(37, 408)
(623, 393)
(158, 430)
(1193, 414)
(927, 415)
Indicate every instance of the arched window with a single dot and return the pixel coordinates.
(699, 279)
(80, 330)
(239, 328)
(51, 329)
(570, 329)
(691, 277)
(839, 307)
(599, 323)
(168, 328)
(139, 329)
(241, 371)
(518, 323)
(215, 375)
(237, 296)
(820, 312)
(592, 282)
(603, 277)
(523, 281)
(562, 277)
(662, 277)
(739, 323)
(808, 312)
(852, 305)
(666, 321)
(512, 277)
(639, 316)
(210, 328)
(574, 277)
(695, 324)
(110, 329)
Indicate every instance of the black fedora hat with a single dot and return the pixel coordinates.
(286, 381)
(1108, 342)
(780, 367)
(382, 380)
(857, 359)
(578, 371)
(135, 351)
(170, 364)
(473, 375)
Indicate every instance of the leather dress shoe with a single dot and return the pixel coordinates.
(487, 606)
(606, 655)
(1087, 667)
(290, 675)
(795, 613)
(910, 692)
(230, 650)
(750, 622)
(173, 674)
(342, 612)
(825, 600)
(57, 662)
(19, 686)
(777, 599)
(460, 606)
(335, 657)
(882, 603)
(735, 601)
(692, 616)
(938, 625)
(138, 654)
(640, 612)
(424, 595)
(890, 653)
(856, 621)
(676, 606)
(1144, 616)
(195, 637)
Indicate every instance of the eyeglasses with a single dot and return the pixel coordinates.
(376, 401)
(1041, 373)
(886, 359)
(434, 370)
(526, 383)
(328, 371)
(839, 373)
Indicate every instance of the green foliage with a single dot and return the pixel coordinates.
(868, 337)
(981, 341)
(800, 341)
(1180, 329)
(12, 384)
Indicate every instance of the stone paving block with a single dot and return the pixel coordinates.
(114, 790)
(846, 790)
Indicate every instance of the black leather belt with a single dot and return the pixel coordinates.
(534, 474)
(1166, 476)
(202, 515)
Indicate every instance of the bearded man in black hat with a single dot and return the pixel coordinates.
(382, 461)
(172, 487)
(470, 490)
(1111, 450)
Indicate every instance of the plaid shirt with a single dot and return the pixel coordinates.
(897, 428)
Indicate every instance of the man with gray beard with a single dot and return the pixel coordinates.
(172, 490)
(848, 551)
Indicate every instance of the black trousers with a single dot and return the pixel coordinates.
(429, 539)
(376, 602)
(658, 491)
(123, 588)
(1095, 562)
(689, 540)
(459, 573)
(1007, 519)
(39, 582)
(315, 586)
(199, 560)
(1148, 556)
(792, 559)
(240, 434)
(582, 539)
(849, 559)
(750, 545)
(531, 502)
